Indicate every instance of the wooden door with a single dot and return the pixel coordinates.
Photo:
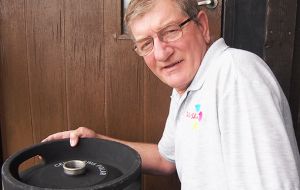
(66, 64)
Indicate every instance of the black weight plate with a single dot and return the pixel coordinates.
(53, 176)
(109, 165)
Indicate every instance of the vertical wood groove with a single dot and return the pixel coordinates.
(28, 73)
(67, 105)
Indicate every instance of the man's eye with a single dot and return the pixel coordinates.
(170, 33)
(146, 45)
(171, 29)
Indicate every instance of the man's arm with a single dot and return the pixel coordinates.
(152, 161)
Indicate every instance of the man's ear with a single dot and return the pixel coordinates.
(204, 26)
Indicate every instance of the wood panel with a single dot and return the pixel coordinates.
(295, 80)
(85, 66)
(124, 76)
(215, 20)
(156, 99)
(279, 39)
(16, 128)
(244, 24)
(45, 50)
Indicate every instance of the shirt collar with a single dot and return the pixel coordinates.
(208, 61)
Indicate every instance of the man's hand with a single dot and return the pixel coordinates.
(74, 135)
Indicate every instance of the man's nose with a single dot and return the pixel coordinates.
(161, 50)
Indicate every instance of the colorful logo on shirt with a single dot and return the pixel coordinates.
(196, 116)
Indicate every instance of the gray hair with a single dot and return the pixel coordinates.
(138, 8)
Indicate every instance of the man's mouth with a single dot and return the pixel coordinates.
(172, 65)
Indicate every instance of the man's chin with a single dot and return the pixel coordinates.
(177, 84)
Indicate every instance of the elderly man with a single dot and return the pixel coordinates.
(229, 126)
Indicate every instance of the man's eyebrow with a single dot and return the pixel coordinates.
(143, 39)
(172, 22)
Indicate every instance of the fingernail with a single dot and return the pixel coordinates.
(72, 142)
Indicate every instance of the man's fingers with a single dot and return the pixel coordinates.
(74, 137)
(57, 136)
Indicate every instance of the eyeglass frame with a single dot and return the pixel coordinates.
(181, 25)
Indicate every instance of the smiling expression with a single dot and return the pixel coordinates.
(175, 63)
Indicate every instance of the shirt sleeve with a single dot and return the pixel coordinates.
(166, 145)
(258, 142)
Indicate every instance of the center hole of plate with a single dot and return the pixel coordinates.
(74, 167)
(74, 164)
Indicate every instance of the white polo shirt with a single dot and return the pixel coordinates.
(232, 128)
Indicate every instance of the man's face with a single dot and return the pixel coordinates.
(175, 63)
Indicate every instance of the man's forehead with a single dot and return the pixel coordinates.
(153, 21)
(140, 32)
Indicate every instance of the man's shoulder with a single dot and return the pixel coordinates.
(244, 64)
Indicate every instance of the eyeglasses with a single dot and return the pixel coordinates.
(168, 34)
